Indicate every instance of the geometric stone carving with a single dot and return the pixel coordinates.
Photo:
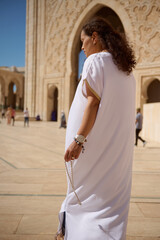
(56, 23)
(61, 17)
(145, 15)
(52, 59)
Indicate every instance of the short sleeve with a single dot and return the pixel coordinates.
(92, 75)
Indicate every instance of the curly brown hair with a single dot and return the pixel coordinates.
(114, 42)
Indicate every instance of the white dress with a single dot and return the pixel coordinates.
(102, 174)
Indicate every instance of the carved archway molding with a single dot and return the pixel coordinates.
(51, 89)
(145, 83)
(90, 9)
(2, 83)
(17, 83)
(49, 86)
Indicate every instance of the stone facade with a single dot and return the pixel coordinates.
(10, 78)
(52, 47)
(151, 123)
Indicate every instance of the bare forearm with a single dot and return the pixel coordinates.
(88, 120)
(87, 123)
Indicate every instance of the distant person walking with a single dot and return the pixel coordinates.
(13, 114)
(8, 116)
(139, 122)
(63, 120)
(26, 117)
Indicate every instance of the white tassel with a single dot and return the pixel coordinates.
(71, 181)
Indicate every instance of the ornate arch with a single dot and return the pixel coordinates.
(92, 8)
(89, 11)
(51, 89)
(14, 81)
(52, 101)
(63, 18)
(146, 83)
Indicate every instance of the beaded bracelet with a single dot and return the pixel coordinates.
(80, 144)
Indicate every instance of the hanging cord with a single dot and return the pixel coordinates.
(71, 181)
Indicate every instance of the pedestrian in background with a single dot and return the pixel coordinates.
(63, 120)
(26, 117)
(139, 122)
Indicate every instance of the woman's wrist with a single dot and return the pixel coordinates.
(80, 139)
(77, 142)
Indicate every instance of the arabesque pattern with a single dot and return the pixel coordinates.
(62, 15)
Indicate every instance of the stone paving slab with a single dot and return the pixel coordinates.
(33, 184)
(30, 204)
(145, 185)
(43, 224)
(9, 223)
(29, 237)
(146, 227)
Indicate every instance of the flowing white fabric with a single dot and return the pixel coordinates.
(102, 174)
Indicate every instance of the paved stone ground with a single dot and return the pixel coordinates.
(33, 184)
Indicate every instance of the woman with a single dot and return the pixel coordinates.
(103, 113)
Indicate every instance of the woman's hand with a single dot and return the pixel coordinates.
(72, 152)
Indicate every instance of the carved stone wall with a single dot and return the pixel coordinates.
(145, 18)
(52, 44)
(6, 78)
(62, 15)
(60, 19)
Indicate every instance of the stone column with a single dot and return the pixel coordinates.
(3, 101)
(20, 103)
(2, 98)
(31, 52)
(17, 102)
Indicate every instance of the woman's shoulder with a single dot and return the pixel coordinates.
(95, 59)
(90, 58)
(88, 62)
(97, 56)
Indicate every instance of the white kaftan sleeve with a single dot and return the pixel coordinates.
(92, 75)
